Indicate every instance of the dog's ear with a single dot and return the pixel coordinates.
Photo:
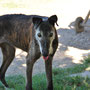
(36, 21)
(52, 20)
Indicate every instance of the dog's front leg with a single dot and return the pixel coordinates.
(48, 67)
(31, 59)
(29, 70)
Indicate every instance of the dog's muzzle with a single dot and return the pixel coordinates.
(45, 55)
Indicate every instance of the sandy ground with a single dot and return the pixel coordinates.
(72, 47)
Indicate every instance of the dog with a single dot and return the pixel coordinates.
(32, 33)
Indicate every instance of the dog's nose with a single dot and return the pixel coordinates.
(45, 54)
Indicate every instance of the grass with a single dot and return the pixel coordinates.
(61, 79)
(12, 4)
(15, 83)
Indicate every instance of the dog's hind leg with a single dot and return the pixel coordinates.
(8, 55)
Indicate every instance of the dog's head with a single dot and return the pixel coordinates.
(45, 34)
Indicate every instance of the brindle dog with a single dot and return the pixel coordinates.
(34, 34)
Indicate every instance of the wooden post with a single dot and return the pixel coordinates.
(86, 18)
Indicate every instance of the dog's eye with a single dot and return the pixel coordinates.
(51, 34)
(39, 35)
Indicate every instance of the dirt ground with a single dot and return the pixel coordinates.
(72, 47)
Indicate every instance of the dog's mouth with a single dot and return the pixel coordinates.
(45, 58)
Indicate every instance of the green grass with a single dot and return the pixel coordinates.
(13, 4)
(15, 83)
(61, 79)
